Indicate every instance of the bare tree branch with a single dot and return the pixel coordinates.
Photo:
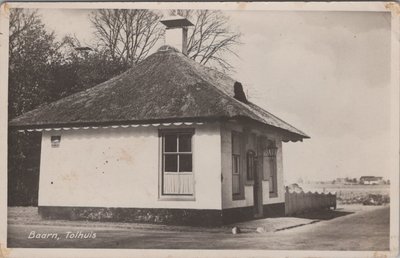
(211, 38)
(126, 35)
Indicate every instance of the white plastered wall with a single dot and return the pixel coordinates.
(120, 168)
(226, 147)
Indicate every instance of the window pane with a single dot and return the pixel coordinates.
(272, 179)
(235, 184)
(171, 163)
(185, 163)
(170, 143)
(250, 166)
(271, 184)
(171, 183)
(185, 142)
(235, 164)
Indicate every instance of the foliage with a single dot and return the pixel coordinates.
(32, 53)
(23, 168)
(83, 69)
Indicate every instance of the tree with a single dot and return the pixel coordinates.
(211, 38)
(83, 67)
(32, 53)
(129, 35)
(126, 35)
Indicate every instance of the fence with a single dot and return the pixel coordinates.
(296, 203)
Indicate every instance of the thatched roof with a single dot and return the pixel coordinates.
(166, 86)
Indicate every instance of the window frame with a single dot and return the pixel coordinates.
(178, 153)
(273, 176)
(162, 153)
(240, 156)
(250, 165)
(236, 158)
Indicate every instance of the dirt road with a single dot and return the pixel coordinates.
(366, 229)
(361, 231)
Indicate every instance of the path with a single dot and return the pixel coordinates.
(366, 229)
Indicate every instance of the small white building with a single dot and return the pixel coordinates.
(371, 180)
(169, 141)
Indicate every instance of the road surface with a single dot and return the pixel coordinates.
(365, 229)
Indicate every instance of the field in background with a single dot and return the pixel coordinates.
(348, 194)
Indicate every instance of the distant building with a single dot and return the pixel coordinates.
(371, 180)
(345, 180)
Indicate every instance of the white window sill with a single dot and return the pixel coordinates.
(273, 195)
(177, 198)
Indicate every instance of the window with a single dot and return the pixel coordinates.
(237, 182)
(272, 178)
(273, 171)
(250, 165)
(177, 163)
(55, 141)
(235, 174)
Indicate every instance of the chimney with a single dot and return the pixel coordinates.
(239, 93)
(176, 32)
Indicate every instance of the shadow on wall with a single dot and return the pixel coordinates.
(323, 214)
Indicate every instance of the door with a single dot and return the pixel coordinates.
(257, 189)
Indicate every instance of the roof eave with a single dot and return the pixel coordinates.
(288, 135)
(16, 126)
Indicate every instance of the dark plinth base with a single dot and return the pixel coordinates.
(191, 217)
(143, 215)
(247, 213)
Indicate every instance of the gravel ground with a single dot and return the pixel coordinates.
(29, 216)
(349, 228)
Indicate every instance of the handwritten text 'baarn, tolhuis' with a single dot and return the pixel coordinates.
(67, 235)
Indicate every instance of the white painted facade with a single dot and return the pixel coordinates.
(226, 142)
(121, 168)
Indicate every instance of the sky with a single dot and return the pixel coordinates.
(326, 73)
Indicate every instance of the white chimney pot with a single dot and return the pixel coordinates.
(176, 32)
